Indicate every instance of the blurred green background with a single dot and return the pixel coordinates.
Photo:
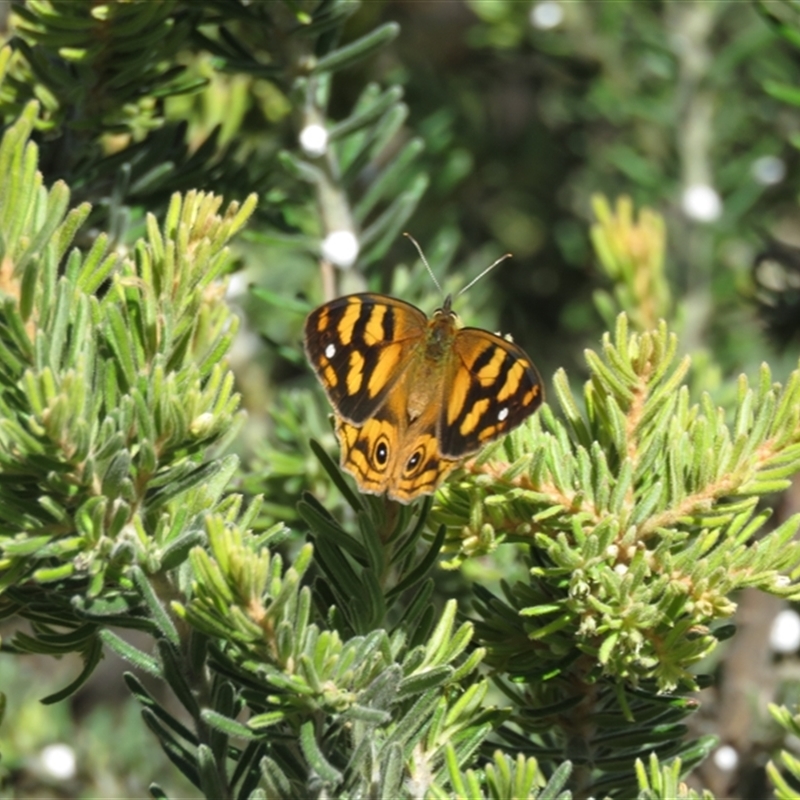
(525, 110)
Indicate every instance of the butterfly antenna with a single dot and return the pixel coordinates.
(487, 270)
(424, 261)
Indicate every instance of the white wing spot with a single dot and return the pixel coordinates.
(502, 414)
(330, 351)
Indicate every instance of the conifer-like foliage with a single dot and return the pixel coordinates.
(321, 660)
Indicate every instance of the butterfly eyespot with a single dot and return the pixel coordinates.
(413, 462)
(381, 452)
(330, 351)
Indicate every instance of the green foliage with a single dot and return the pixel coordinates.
(109, 742)
(643, 509)
(786, 782)
(636, 99)
(663, 782)
(642, 513)
(110, 400)
(632, 255)
(70, 50)
(112, 79)
(504, 779)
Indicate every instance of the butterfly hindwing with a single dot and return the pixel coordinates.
(360, 346)
(388, 455)
(492, 386)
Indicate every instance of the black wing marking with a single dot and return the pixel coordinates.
(492, 388)
(360, 345)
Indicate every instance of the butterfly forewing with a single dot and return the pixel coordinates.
(492, 386)
(360, 346)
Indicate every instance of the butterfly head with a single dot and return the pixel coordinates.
(446, 308)
(442, 327)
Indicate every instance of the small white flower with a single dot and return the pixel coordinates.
(784, 636)
(340, 248)
(768, 170)
(726, 758)
(701, 202)
(237, 285)
(314, 140)
(58, 761)
(621, 569)
(546, 15)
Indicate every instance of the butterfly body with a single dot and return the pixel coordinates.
(413, 396)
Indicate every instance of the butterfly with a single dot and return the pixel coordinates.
(413, 395)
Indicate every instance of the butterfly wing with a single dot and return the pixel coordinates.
(490, 387)
(389, 454)
(360, 346)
